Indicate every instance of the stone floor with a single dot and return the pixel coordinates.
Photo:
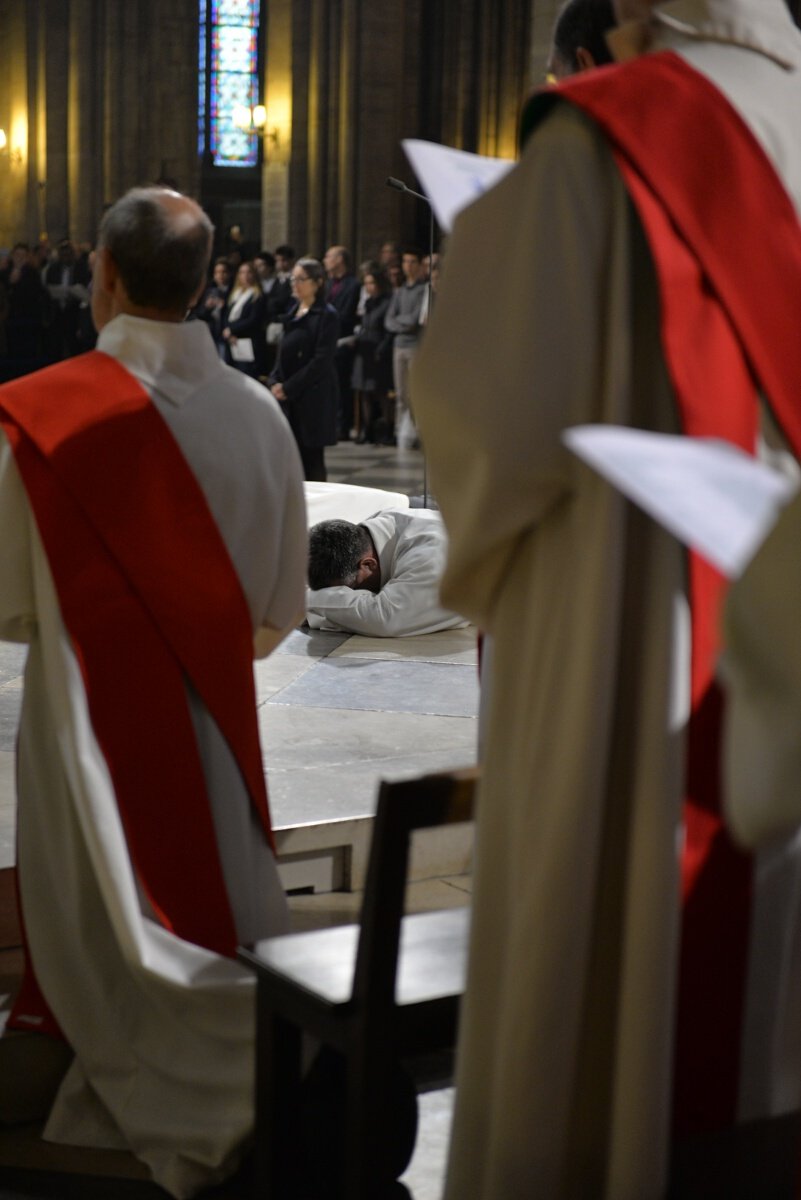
(337, 714)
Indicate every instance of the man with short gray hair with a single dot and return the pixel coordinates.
(152, 534)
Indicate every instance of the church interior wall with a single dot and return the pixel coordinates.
(99, 95)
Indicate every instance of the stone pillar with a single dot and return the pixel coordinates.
(96, 95)
(55, 27)
(84, 117)
(17, 218)
(388, 105)
(277, 94)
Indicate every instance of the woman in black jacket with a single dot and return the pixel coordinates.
(304, 379)
(372, 364)
(243, 324)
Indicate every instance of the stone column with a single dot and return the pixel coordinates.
(17, 216)
(277, 94)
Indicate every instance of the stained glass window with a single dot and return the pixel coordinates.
(228, 78)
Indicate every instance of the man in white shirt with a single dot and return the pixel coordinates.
(380, 578)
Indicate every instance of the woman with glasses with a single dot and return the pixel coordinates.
(304, 379)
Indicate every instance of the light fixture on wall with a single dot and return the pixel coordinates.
(14, 156)
(254, 119)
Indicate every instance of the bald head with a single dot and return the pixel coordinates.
(156, 244)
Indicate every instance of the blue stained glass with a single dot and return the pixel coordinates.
(235, 12)
(201, 79)
(233, 49)
(233, 80)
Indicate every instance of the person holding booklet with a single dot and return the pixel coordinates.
(243, 323)
(304, 380)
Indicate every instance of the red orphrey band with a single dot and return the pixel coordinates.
(715, 249)
(143, 576)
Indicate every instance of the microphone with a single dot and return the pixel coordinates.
(400, 186)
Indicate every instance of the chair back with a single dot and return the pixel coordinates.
(445, 798)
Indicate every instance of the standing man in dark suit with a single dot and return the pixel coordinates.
(342, 293)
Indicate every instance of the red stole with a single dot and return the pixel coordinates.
(726, 245)
(149, 598)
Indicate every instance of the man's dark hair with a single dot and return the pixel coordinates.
(583, 23)
(415, 252)
(162, 262)
(267, 257)
(285, 251)
(335, 548)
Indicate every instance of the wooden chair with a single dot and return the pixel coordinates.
(385, 990)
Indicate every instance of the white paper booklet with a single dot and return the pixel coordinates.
(708, 493)
(242, 350)
(452, 179)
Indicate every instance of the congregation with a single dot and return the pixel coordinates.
(343, 377)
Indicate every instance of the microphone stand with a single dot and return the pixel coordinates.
(400, 186)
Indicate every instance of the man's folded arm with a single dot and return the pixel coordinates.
(392, 612)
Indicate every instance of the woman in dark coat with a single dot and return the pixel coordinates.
(304, 379)
(372, 363)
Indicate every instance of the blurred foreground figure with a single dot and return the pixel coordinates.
(621, 993)
(152, 526)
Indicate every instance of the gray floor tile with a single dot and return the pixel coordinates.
(304, 795)
(425, 1175)
(276, 672)
(441, 689)
(12, 660)
(335, 739)
(314, 643)
(395, 479)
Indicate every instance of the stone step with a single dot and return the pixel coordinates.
(330, 856)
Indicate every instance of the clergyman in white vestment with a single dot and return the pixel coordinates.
(589, 701)
(166, 1069)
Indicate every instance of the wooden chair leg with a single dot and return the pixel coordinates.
(278, 1056)
(381, 1122)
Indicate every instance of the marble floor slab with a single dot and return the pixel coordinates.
(12, 665)
(432, 688)
(425, 1175)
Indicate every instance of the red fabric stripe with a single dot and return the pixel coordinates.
(712, 257)
(140, 586)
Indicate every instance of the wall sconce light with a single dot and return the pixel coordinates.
(13, 156)
(254, 120)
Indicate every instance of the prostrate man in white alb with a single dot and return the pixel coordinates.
(380, 578)
(152, 535)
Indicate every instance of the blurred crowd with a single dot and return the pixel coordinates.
(44, 305)
(251, 300)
